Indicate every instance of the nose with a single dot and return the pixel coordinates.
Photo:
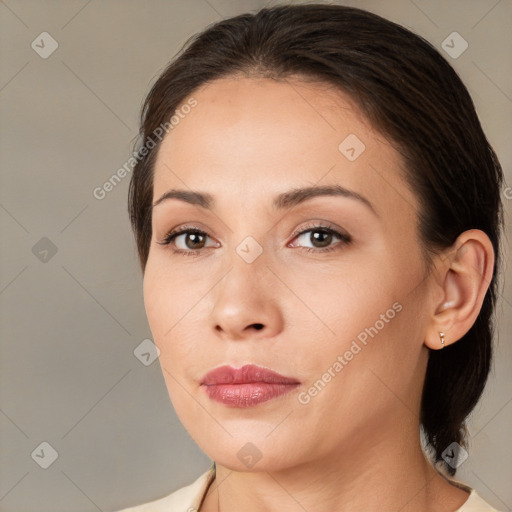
(246, 305)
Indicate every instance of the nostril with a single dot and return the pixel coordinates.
(258, 326)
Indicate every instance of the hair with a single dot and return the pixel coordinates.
(412, 96)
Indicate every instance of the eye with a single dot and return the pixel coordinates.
(188, 241)
(321, 239)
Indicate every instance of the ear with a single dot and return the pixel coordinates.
(464, 274)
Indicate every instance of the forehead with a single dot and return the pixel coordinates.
(263, 118)
(260, 134)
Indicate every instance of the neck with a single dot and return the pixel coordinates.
(388, 472)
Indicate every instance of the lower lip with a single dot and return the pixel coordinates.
(247, 395)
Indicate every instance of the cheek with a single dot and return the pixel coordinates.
(163, 306)
(167, 298)
(156, 303)
(346, 298)
(371, 320)
(175, 312)
(170, 311)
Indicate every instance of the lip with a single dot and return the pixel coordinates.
(246, 386)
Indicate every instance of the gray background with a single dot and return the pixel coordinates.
(72, 320)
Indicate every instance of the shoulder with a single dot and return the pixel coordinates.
(186, 499)
(474, 503)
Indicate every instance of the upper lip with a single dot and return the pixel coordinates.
(245, 375)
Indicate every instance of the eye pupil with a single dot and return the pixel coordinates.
(194, 237)
(321, 236)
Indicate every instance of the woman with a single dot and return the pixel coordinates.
(317, 215)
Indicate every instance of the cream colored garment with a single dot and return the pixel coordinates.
(189, 498)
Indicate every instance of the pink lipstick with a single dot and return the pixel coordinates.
(246, 386)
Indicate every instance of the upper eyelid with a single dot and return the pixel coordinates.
(300, 231)
(304, 229)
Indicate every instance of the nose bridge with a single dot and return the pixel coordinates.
(247, 275)
(247, 239)
(250, 250)
(244, 297)
(250, 253)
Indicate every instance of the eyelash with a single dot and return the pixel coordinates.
(345, 239)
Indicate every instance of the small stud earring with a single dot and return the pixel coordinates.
(441, 334)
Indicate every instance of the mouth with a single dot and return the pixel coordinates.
(247, 386)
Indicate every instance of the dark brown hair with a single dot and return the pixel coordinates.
(410, 93)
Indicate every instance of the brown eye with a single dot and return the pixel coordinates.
(187, 241)
(322, 239)
(193, 240)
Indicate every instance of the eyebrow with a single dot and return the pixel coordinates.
(288, 199)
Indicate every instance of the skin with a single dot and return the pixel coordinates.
(355, 445)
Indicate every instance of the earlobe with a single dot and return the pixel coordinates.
(466, 272)
(437, 341)
(441, 335)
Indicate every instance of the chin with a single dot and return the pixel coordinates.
(251, 452)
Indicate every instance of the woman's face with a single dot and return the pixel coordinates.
(269, 284)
